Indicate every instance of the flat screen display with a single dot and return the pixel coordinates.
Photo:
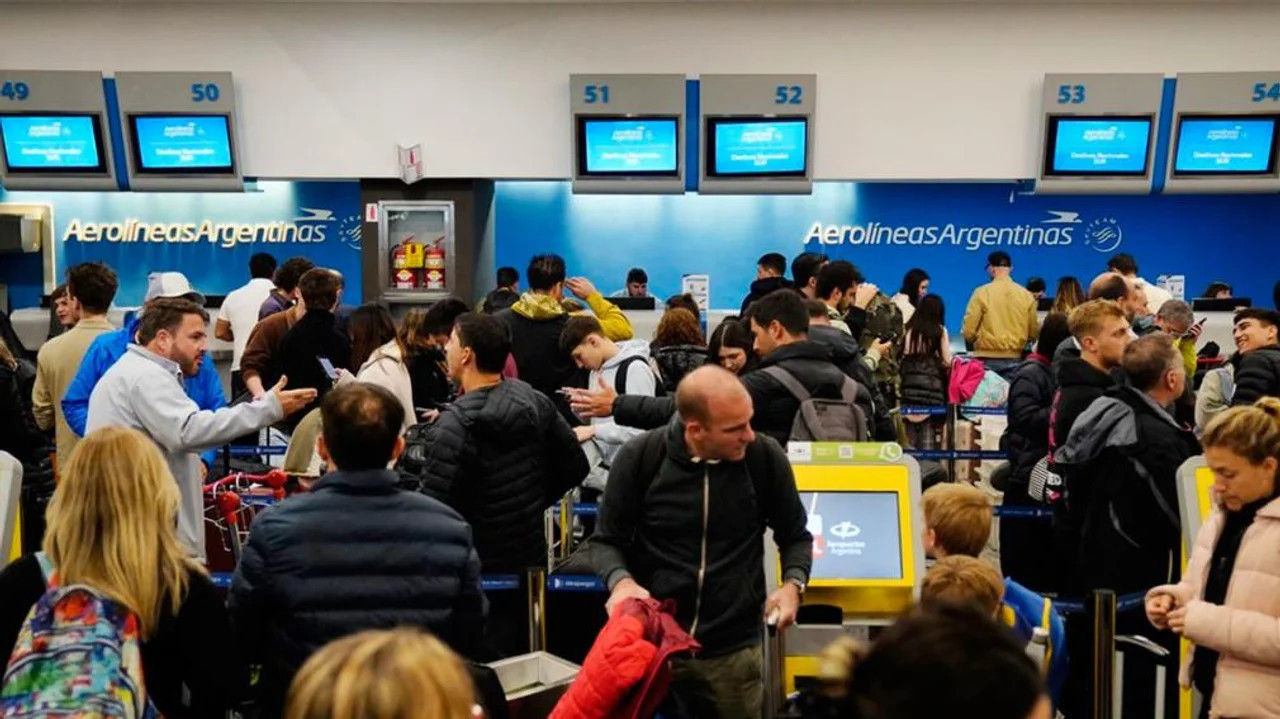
(628, 147)
(856, 535)
(52, 143)
(199, 144)
(1098, 146)
(757, 147)
(1226, 146)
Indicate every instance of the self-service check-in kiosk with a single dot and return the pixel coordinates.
(1195, 504)
(863, 506)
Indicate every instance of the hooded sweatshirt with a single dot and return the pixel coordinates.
(640, 381)
(535, 322)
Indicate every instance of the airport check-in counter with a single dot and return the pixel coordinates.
(863, 506)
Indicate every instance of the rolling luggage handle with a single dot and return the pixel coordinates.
(773, 680)
(1159, 653)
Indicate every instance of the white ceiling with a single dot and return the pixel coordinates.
(673, 2)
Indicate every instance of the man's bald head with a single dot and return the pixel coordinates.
(1109, 286)
(699, 387)
(716, 410)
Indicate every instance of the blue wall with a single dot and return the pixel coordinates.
(320, 220)
(887, 228)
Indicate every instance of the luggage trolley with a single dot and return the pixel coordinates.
(231, 503)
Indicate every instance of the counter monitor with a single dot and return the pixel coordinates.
(628, 146)
(757, 147)
(1113, 146)
(856, 535)
(1217, 145)
(193, 144)
(52, 143)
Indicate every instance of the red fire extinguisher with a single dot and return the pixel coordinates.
(433, 265)
(403, 275)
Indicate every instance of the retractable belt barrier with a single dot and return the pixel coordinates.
(261, 450)
(950, 454)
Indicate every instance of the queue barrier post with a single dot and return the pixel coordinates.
(1101, 609)
(537, 594)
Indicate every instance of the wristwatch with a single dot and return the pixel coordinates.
(800, 585)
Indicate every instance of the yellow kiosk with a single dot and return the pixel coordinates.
(863, 505)
(1195, 503)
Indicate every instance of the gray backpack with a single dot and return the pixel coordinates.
(824, 420)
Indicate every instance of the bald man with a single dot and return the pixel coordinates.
(683, 518)
(1125, 291)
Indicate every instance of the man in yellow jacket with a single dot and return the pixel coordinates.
(1001, 317)
(537, 318)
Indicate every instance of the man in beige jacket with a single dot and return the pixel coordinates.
(91, 285)
(1001, 317)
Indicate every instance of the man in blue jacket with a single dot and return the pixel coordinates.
(205, 388)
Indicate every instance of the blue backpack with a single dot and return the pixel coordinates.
(79, 654)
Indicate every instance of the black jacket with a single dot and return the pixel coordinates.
(846, 354)
(1129, 451)
(760, 288)
(1079, 384)
(677, 361)
(312, 337)
(924, 381)
(498, 300)
(429, 379)
(189, 649)
(1026, 438)
(661, 507)
(500, 456)
(1257, 376)
(19, 434)
(535, 345)
(355, 553)
(775, 407)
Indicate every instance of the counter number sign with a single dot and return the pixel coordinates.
(15, 91)
(205, 92)
(787, 94)
(1266, 91)
(593, 94)
(1070, 94)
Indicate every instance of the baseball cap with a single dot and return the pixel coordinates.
(171, 284)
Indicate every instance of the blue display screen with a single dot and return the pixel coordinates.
(1225, 146)
(51, 143)
(1098, 146)
(182, 143)
(856, 535)
(762, 148)
(643, 146)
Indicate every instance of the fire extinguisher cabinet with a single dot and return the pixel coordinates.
(416, 251)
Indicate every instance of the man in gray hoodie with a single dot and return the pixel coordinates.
(143, 390)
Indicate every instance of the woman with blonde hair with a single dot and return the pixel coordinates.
(383, 674)
(1228, 602)
(112, 525)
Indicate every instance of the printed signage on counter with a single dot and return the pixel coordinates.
(629, 147)
(1225, 146)
(51, 142)
(1099, 146)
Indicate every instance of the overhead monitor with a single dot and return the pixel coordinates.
(1097, 146)
(52, 143)
(1221, 145)
(857, 536)
(757, 147)
(611, 146)
(178, 144)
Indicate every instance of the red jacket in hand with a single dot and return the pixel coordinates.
(626, 674)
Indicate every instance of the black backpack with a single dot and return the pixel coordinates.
(620, 377)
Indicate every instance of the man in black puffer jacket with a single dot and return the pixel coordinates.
(500, 455)
(781, 325)
(1258, 374)
(355, 553)
(847, 354)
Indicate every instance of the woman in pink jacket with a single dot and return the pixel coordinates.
(1228, 602)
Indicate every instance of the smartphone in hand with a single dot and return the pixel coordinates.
(329, 370)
